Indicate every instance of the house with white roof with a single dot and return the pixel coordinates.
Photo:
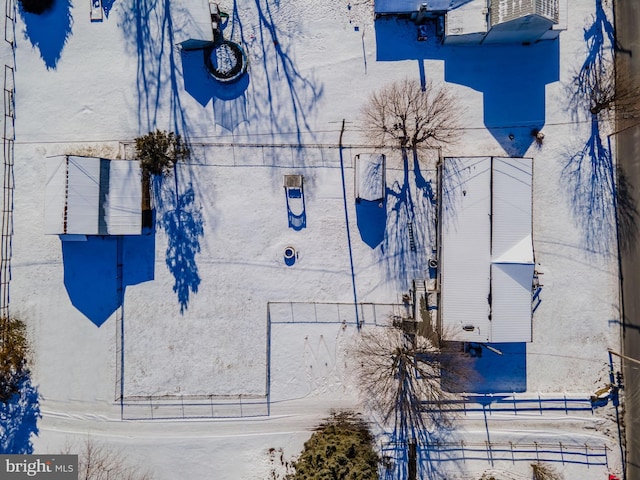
(474, 22)
(486, 249)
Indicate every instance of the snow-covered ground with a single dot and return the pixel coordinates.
(195, 325)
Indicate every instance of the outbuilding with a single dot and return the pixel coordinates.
(93, 196)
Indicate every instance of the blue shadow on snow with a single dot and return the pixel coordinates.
(493, 373)
(371, 218)
(49, 31)
(229, 99)
(91, 271)
(181, 219)
(107, 5)
(410, 223)
(512, 78)
(19, 418)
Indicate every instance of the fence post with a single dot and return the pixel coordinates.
(537, 455)
(561, 453)
(489, 452)
(464, 460)
(586, 454)
(513, 459)
(540, 403)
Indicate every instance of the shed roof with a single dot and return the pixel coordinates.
(93, 196)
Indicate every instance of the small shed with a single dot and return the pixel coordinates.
(93, 196)
(370, 182)
(487, 264)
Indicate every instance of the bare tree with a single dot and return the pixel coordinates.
(406, 380)
(412, 116)
(399, 371)
(100, 462)
(543, 471)
(604, 93)
(597, 89)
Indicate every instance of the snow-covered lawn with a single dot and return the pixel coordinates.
(194, 321)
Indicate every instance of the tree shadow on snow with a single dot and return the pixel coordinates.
(410, 228)
(149, 24)
(409, 450)
(288, 97)
(602, 199)
(19, 418)
(494, 373)
(182, 222)
(91, 275)
(511, 78)
(49, 31)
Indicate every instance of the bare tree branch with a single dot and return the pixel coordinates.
(100, 462)
(406, 114)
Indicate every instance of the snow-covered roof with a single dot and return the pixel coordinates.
(487, 250)
(469, 19)
(93, 196)
(369, 176)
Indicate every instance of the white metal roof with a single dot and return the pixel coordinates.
(487, 251)
(511, 302)
(93, 196)
(511, 236)
(466, 249)
(124, 200)
(369, 176)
